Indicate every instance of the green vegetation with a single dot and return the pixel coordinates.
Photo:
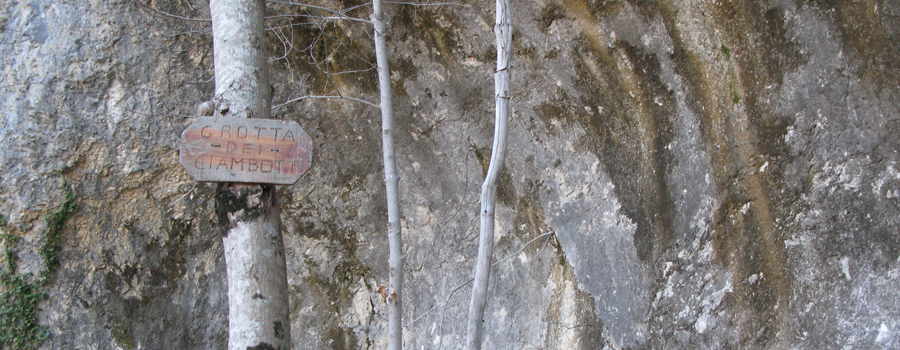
(123, 337)
(18, 315)
(56, 221)
(19, 328)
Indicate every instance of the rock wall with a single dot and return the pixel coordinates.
(712, 174)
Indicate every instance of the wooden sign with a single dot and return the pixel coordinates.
(218, 149)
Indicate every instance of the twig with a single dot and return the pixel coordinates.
(520, 249)
(472, 279)
(427, 4)
(341, 13)
(186, 194)
(173, 15)
(331, 18)
(441, 303)
(329, 96)
(163, 155)
(198, 31)
(349, 71)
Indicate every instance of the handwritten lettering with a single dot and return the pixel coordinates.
(245, 150)
(291, 134)
(276, 133)
(241, 132)
(263, 163)
(244, 164)
(237, 161)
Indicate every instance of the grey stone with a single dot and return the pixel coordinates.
(714, 174)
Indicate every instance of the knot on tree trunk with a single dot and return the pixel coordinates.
(212, 107)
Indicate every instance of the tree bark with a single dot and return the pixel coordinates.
(391, 181)
(258, 312)
(503, 32)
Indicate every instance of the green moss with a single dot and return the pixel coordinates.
(482, 158)
(19, 328)
(123, 337)
(735, 97)
(726, 52)
(10, 242)
(56, 222)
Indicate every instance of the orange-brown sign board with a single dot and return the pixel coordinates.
(218, 149)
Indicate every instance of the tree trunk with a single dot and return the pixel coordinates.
(503, 31)
(391, 181)
(258, 312)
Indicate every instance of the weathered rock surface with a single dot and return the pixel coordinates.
(715, 174)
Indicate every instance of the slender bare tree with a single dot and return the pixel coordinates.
(503, 32)
(391, 181)
(258, 312)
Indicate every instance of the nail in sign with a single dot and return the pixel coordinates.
(218, 149)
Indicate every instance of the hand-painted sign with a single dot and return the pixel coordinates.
(219, 149)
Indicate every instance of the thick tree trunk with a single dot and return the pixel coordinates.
(391, 181)
(258, 312)
(503, 31)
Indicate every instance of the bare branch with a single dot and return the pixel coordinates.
(207, 20)
(447, 300)
(324, 97)
(341, 14)
(329, 18)
(521, 249)
(428, 4)
(207, 30)
(186, 194)
(157, 157)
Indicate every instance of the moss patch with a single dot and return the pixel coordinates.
(123, 338)
(56, 221)
(19, 328)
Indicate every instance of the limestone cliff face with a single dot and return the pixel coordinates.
(716, 174)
